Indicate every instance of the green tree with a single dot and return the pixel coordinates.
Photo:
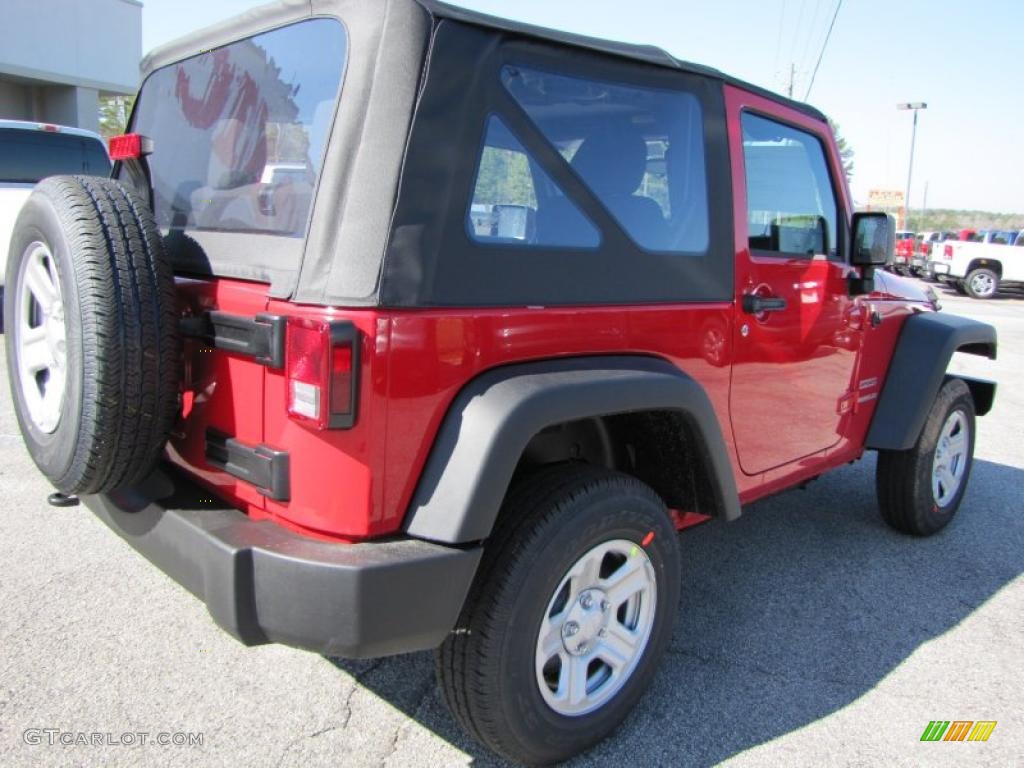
(114, 113)
(845, 150)
(504, 177)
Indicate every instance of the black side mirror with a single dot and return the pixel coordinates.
(874, 245)
(874, 239)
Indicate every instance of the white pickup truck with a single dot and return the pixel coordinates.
(32, 151)
(978, 269)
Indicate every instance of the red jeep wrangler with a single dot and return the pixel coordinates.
(401, 327)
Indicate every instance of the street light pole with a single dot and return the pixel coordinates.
(915, 106)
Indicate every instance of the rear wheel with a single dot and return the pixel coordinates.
(570, 613)
(981, 283)
(920, 489)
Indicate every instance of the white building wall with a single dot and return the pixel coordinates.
(56, 56)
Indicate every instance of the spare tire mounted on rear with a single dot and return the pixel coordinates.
(91, 335)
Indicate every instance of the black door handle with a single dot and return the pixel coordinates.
(755, 305)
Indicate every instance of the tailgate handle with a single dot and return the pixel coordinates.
(260, 337)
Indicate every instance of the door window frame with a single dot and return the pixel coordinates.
(783, 115)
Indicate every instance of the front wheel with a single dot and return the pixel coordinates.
(920, 489)
(981, 283)
(567, 620)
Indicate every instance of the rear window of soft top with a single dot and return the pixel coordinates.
(239, 132)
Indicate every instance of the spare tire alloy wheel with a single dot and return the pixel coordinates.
(40, 337)
(92, 343)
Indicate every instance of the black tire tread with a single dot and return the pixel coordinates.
(129, 338)
(518, 531)
(903, 496)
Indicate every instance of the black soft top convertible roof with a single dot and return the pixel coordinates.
(272, 14)
(649, 54)
(339, 263)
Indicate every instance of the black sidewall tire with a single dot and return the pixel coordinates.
(974, 294)
(537, 723)
(904, 478)
(932, 517)
(54, 453)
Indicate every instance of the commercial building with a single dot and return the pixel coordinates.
(57, 57)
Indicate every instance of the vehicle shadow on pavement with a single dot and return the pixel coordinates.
(787, 615)
(1004, 294)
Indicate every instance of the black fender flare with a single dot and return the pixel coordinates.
(917, 370)
(491, 420)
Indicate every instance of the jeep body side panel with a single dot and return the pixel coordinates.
(494, 417)
(926, 344)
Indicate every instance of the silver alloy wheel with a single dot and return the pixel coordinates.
(40, 337)
(950, 462)
(596, 627)
(982, 284)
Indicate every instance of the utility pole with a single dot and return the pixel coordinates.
(915, 106)
(792, 74)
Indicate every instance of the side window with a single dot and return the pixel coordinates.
(640, 151)
(791, 206)
(509, 183)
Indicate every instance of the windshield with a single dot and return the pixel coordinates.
(239, 132)
(28, 156)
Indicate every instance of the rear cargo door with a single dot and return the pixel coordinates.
(238, 136)
(220, 430)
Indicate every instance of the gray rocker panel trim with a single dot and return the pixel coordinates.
(917, 371)
(493, 418)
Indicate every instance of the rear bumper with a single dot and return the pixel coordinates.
(265, 584)
(938, 267)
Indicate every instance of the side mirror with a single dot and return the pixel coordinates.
(874, 239)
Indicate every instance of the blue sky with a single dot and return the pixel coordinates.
(964, 59)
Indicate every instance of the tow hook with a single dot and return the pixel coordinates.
(58, 499)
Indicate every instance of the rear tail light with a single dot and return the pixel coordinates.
(947, 252)
(322, 366)
(130, 146)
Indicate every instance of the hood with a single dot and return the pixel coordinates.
(892, 286)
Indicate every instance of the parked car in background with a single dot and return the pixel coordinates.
(922, 248)
(905, 242)
(979, 269)
(29, 152)
(925, 247)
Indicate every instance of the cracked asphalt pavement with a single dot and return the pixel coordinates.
(808, 634)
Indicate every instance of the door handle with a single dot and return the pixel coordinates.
(755, 305)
